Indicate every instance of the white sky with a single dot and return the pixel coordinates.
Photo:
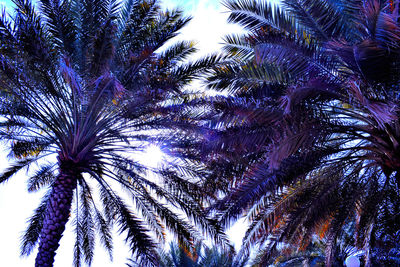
(16, 205)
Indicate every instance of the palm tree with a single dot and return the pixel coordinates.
(386, 238)
(312, 121)
(313, 254)
(84, 84)
(200, 256)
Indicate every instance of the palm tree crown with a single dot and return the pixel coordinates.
(83, 84)
(313, 122)
(201, 255)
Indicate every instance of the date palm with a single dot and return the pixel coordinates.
(201, 255)
(313, 255)
(84, 84)
(309, 135)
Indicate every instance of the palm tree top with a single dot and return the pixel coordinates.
(89, 82)
(310, 121)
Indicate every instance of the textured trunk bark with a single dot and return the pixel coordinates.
(367, 247)
(306, 262)
(330, 249)
(57, 216)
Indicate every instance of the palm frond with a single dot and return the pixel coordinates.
(140, 242)
(60, 24)
(44, 176)
(16, 167)
(318, 17)
(32, 233)
(255, 15)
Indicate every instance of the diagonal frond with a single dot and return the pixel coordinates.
(16, 167)
(32, 233)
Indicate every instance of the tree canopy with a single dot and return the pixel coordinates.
(311, 122)
(304, 139)
(84, 85)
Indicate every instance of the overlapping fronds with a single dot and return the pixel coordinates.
(91, 83)
(200, 255)
(307, 140)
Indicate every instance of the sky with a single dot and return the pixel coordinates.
(16, 205)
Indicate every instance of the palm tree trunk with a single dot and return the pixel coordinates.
(305, 262)
(330, 249)
(58, 210)
(367, 246)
